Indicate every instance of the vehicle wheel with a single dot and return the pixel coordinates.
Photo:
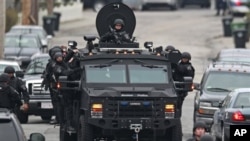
(182, 5)
(174, 7)
(174, 133)
(223, 137)
(85, 132)
(98, 6)
(46, 117)
(65, 136)
(22, 117)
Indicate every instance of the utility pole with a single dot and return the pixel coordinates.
(2, 26)
(26, 10)
(50, 6)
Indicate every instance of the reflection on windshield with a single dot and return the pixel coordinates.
(243, 100)
(224, 81)
(3, 66)
(142, 74)
(108, 74)
(37, 66)
(8, 131)
(20, 42)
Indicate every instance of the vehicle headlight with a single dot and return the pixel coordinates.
(205, 104)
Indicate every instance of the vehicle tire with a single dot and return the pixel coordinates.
(182, 5)
(65, 136)
(46, 117)
(85, 131)
(97, 6)
(174, 7)
(174, 133)
(223, 137)
(22, 117)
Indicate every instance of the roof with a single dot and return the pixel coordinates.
(8, 62)
(40, 55)
(27, 27)
(241, 90)
(23, 34)
(229, 66)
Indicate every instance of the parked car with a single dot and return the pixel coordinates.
(97, 5)
(219, 79)
(20, 47)
(233, 55)
(11, 129)
(35, 29)
(234, 110)
(5, 63)
(40, 101)
(201, 3)
(236, 7)
(172, 4)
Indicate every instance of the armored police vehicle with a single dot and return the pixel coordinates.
(125, 92)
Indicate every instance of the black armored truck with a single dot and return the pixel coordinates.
(126, 92)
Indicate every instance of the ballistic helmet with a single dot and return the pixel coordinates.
(9, 69)
(169, 48)
(199, 124)
(186, 55)
(207, 137)
(57, 54)
(54, 50)
(4, 77)
(119, 21)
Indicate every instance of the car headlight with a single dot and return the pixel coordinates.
(205, 104)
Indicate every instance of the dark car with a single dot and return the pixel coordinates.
(96, 5)
(234, 110)
(233, 55)
(201, 3)
(21, 47)
(219, 79)
(40, 102)
(11, 129)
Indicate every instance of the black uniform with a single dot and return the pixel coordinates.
(9, 98)
(116, 36)
(18, 84)
(62, 69)
(183, 69)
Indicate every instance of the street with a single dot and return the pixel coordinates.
(194, 30)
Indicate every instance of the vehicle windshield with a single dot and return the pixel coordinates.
(226, 81)
(242, 100)
(37, 66)
(8, 130)
(148, 74)
(139, 74)
(21, 41)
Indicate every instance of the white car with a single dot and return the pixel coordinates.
(238, 6)
(5, 63)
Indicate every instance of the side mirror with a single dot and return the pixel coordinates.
(36, 137)
(197, 86)
(19, 74)
(220, 104)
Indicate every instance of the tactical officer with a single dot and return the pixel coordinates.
(199, 130)
(9, 98)
(169, 48)
(60, 68)
(221, 5)
(19, 86)
(184, 69)
(116, 34)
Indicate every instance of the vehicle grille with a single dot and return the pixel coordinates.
(36, 89)
(134, 107)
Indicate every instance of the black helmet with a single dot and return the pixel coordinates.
(57, 54)
(199, 124)
(169, 48)
(186, 55)
(9, 69)
(4, 77)
(207, 137)
(54, 50)
(119, 21)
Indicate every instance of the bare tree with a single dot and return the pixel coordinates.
(50, 6)
(2, 26)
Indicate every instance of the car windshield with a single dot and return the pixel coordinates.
(242, 100)
(140, 74)
(3, 66)
(21, 41)
(37, 66)
(148, 74)
(226, 81)
(8, 130)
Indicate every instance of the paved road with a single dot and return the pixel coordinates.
(197, 31)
